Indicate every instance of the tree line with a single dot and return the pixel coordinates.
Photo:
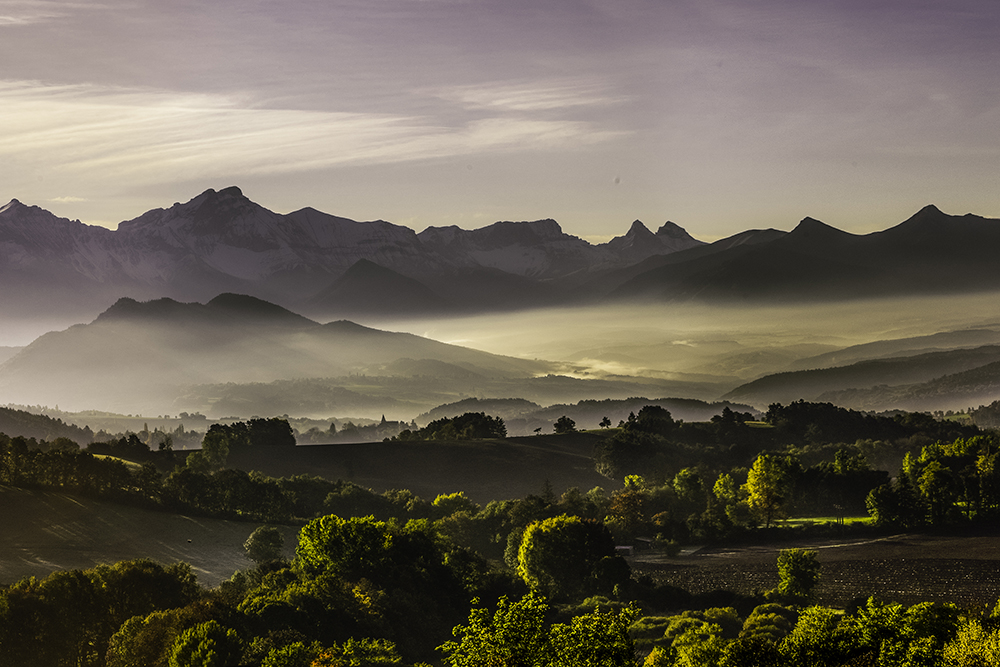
(390, 578)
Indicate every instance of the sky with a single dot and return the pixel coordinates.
(719, 115)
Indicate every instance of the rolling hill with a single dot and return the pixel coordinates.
(857, 385)
(139, 357)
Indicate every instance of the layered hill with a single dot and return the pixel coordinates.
(142, 355)
(239, 355)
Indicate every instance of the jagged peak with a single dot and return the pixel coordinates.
(231, 191)
(674, 231)
(812, 225)
(637, 228)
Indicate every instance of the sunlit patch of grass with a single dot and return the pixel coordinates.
(130, 464)
(814, 520)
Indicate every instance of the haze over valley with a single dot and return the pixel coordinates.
(180, 298)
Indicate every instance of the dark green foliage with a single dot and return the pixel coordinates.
(517, 635)
(798, 574)
(273, 432)
(564, 556)
(825, 422)
(628, 452)
(564, 425)
(127, 447)
(469, 426)
(651, 419)
(264, 544)
(69, 617)
(40, 427)
(221, 440)
(419, 586)
(206, 645)
(228, 493)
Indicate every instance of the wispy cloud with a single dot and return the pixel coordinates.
(530, 96)
(68, 200)
(25, 12)
(111, 131)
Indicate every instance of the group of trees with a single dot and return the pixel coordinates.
(468, 426)
(876, 633)
(944, 483)
(223, 439)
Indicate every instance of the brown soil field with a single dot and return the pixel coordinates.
(959, 567)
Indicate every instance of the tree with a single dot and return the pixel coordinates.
(798, 572)
(605, 423)
(765, 488)
(359, 653)
(937, 485)
(145, 641)
(597, 639)
(206, 645)
(564, 425)
(515, 635)
(296, 654)
(974, 646)
(558, 555)
(468, 426)
(264, 544)
(818, 639)
(274, 432)
(898, 504)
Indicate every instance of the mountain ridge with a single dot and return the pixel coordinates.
(221, 241)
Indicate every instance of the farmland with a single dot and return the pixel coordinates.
(941, 566)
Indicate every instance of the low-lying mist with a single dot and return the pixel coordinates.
(610, 351)
(734, 341)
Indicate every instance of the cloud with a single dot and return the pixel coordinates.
(530, 96)
(145, 134)
(68, 200)
(26, 12)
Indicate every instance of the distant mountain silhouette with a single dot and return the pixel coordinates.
(221, 241)
(851, 380)
(956, 391)
(946, 340)
(367, 287)
(142, 355)
(329, 266)
(930, 253)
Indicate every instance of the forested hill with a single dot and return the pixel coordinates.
(18, 422)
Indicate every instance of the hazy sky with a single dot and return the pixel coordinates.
(720, 115)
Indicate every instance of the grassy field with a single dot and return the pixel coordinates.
(484, 469)
(44, 531)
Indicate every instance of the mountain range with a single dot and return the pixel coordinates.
(220, 241)
(328, 266)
